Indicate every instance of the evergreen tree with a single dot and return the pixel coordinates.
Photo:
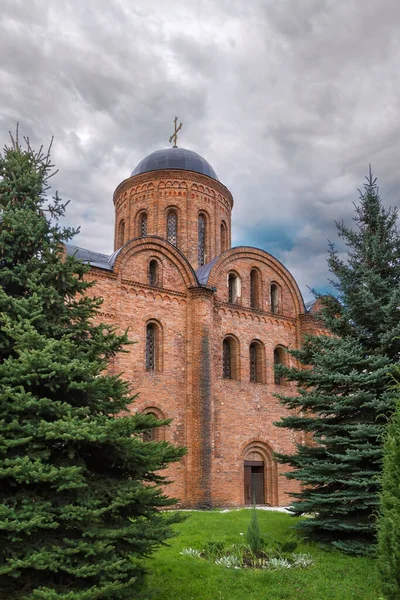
(79, 490)
(344, 388)
(389, 523)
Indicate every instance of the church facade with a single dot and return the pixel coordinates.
(209, 322)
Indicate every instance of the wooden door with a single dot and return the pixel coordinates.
(257, 484)
(247, 485)
(254, 482)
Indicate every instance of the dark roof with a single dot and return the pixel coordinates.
(95, 259)
(204, 272)
(175, 158)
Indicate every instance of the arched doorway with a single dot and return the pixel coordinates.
(259, 475)
(254, 482)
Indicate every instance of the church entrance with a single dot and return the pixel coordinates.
(254, 482)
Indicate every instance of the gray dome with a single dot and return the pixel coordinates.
(175, 158)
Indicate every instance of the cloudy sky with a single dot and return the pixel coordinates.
(289, 100)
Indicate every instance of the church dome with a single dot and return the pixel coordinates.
(175, 158)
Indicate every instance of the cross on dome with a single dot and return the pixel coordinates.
(174, 136)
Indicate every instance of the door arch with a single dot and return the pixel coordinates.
(260, 481)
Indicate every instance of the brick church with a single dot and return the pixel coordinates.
(209, 322)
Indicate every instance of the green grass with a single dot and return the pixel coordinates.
(175, 577)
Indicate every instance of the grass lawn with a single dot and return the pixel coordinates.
(176, 577)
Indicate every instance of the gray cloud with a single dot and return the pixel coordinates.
(289, 101)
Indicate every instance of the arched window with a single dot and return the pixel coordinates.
(226, 360)
(230, 358)
(153, 272)
(121, 233)
(143, 224)
(153, 347)
(255, 288)
(202, 239)
(279, 359)
(224, 237)
(172, 227)
(274, 293)
(154, 433)
(257, 362)
(234, 288)
(150, 434)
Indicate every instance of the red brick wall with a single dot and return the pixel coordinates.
(221, 422)
(185, 192)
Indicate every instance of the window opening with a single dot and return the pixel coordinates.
(149, 435)
(201, 240)
(233, 288)
(274, 298)
(279, 359)
(224, 241)
(153, 268)
(143, 225)
(253, 363)
(172, 227)
(150, 347)
(121, 234)
(226, 360)
(254, 288)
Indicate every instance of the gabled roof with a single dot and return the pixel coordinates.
(95, 259)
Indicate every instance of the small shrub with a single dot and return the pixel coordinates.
(279, 563)
(303, 561)
(230, 562)
(191, 552)
(214, 549)
(237, 549)
(253, 534)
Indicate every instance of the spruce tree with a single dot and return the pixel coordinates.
(343, 381)
(80, 492)
(389, 522)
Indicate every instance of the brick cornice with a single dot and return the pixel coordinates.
(157, 176)
(201, 292)
(144, 286)
(252, 312)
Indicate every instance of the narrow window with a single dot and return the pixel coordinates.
(226, 360)
(172, 227)
(230, 358)
(224, 237)
(255, 288)
(279, 359)
(201, 240)
(154, 433)
(143, 224)
(149, 435)
(257, 362)
(234, 288)
(274, 298)
(151, 347)
(253, 362)
(121, 233)
(153, 272)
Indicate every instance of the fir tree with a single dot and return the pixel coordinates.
(79, 490)
(389, 523)
(344, 388)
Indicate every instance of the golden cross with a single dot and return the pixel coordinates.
(174, 136)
